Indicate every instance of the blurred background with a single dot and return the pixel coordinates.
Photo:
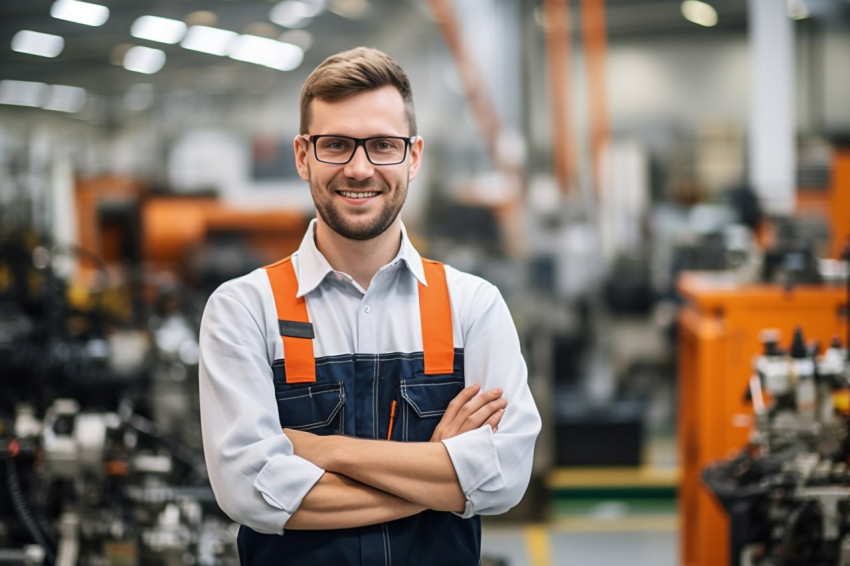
(660, 189)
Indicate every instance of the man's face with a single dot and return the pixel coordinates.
(358, 200)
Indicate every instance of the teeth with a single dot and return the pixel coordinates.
(357, 195)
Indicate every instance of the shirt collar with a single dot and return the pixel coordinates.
(313, 267)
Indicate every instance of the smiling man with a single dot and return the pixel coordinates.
(360, 404)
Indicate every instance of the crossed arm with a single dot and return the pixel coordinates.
(372, 481)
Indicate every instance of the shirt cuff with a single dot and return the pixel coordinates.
(473, 455)
(284, 481)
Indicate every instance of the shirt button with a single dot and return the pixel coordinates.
(367, 309)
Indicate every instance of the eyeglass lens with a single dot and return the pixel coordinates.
(381, 151)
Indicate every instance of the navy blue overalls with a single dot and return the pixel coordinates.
(400, 396)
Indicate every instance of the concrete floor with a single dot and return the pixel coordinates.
(554, 545)
(589, 525)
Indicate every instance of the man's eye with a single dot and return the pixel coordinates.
(383, 145)
(336, 145)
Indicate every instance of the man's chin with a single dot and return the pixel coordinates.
(357, 231)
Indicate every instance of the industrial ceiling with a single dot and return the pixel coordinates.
(90, 57)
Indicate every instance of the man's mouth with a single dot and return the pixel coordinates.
(350, 194)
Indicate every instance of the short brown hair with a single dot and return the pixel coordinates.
(351, 72)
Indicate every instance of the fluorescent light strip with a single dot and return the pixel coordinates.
(155, 28)
(210, 40)
(798, 10)
(266, 52)
(62, 98)
(37, 43)
(80, 12)
(700, 13)
(144, 60)
(21, 93)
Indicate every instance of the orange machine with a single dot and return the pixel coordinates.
(119, 219)
(171, 225)
(719, 335)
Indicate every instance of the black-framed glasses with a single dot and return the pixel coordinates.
(380, 150)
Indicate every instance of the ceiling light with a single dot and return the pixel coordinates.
(21, 93)
(37, 43)
(699, 13)
(80, 12)
(144, 60)
(64, 98)
(291, 14)
(154, 28)
(267, 52)
(207, 39)
(797, 10)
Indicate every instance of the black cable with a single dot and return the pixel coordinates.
(22, 509)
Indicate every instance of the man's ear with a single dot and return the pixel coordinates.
(416, 147)
(301, 146)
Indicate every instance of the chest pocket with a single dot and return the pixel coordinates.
(424, 401)
(319, 409)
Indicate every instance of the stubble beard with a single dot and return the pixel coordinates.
(347, 226)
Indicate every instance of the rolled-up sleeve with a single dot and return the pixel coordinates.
(257, 479)
(494, 468)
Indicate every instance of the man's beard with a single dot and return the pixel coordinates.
(342, 224)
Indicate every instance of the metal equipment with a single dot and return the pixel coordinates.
(787, 493)
(100, 454)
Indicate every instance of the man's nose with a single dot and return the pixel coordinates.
(359, 167)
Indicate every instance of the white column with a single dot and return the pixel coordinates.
(772, 155)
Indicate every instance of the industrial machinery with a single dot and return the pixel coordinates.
(787, 493)
(100, 455)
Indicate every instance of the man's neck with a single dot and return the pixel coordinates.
(361, 259)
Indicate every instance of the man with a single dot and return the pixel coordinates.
(361, 405)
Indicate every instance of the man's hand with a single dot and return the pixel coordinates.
(468, 411)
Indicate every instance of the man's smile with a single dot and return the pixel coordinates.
(351, 194)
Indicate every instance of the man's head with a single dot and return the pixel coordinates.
(351, 72)
(358, 147)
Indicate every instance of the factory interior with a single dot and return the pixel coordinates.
(659, 189)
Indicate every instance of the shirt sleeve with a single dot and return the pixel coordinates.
(494, 468)
(257, 479)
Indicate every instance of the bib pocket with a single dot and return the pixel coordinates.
(314, 408)
(425, 399)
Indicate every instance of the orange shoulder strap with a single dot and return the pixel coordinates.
(435, 312)
(296, 331)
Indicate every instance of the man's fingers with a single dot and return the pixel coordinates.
(474, 405)
(495, 419)
(446, 428)
(485, 414)
(470, 410)
(459, 401)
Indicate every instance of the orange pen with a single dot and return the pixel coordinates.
(392, 418)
